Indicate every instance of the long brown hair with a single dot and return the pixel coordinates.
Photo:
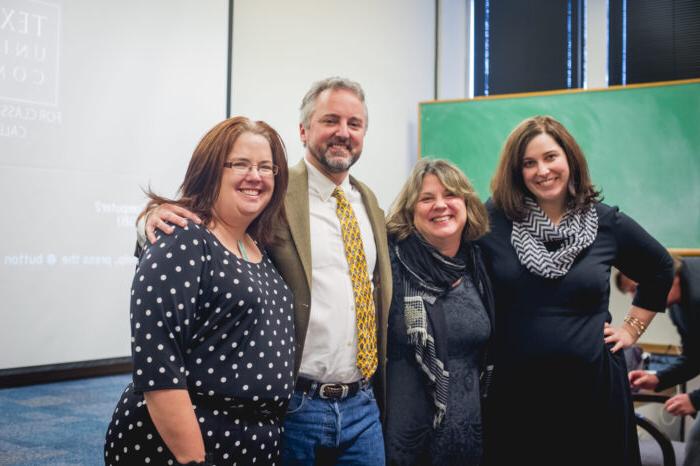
(200, 188)
(507, 185)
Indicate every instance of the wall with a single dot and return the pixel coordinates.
(152, 85)
(98, 99)
(136, 86)
(280, 48)
(454, 83)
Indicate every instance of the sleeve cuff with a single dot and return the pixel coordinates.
(695, 399)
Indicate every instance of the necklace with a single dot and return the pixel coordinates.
(241, 248)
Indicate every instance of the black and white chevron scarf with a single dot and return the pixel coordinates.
(427, 275)
(576, 231)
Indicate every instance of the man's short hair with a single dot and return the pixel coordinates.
(308, 103)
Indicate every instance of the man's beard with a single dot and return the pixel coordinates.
(334, 164)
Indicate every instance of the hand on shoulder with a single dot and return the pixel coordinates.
(164, 217)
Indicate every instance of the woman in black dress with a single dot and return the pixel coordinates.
(561, 394)
(440, 321)
(211, 319)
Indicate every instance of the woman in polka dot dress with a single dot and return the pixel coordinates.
(211, 319)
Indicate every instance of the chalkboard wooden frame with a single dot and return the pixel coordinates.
(638, 139)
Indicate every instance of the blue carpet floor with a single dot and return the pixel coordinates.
(57, 424)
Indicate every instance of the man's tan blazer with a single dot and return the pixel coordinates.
(291, 254)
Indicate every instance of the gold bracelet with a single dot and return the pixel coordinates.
(635, 331)
(638, 326)
(633, 320)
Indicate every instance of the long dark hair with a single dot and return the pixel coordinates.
(507, 185)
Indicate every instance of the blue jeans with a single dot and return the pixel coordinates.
(326, 432)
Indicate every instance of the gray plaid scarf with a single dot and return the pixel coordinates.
(427, 275)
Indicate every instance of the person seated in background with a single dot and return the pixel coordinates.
(211, 319)
(440, 320)
(684, 309)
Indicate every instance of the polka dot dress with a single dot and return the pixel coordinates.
(222, 328)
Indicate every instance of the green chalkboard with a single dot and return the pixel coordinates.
(642, 144)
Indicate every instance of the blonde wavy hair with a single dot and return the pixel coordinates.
(399, 221)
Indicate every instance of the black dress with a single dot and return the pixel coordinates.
(462, 321)
(458, 439)
(560, 396)
(220, 327)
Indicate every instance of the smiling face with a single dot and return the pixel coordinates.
(243, 196)
(545, 172)
(440, 215)
(335, 133)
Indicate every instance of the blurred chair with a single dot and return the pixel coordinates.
(659, 449)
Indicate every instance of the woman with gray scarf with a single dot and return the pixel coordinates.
(440, 321)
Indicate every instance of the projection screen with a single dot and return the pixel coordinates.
(98, 99)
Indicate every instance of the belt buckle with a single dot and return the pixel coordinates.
(344, 389)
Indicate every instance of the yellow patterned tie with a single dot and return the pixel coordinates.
(361, 286)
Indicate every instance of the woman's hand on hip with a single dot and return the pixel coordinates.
(618, 336)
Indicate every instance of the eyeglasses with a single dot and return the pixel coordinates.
(243, 167)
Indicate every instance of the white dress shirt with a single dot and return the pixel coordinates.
(330, 348)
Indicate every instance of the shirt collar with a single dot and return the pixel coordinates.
(321, 185)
